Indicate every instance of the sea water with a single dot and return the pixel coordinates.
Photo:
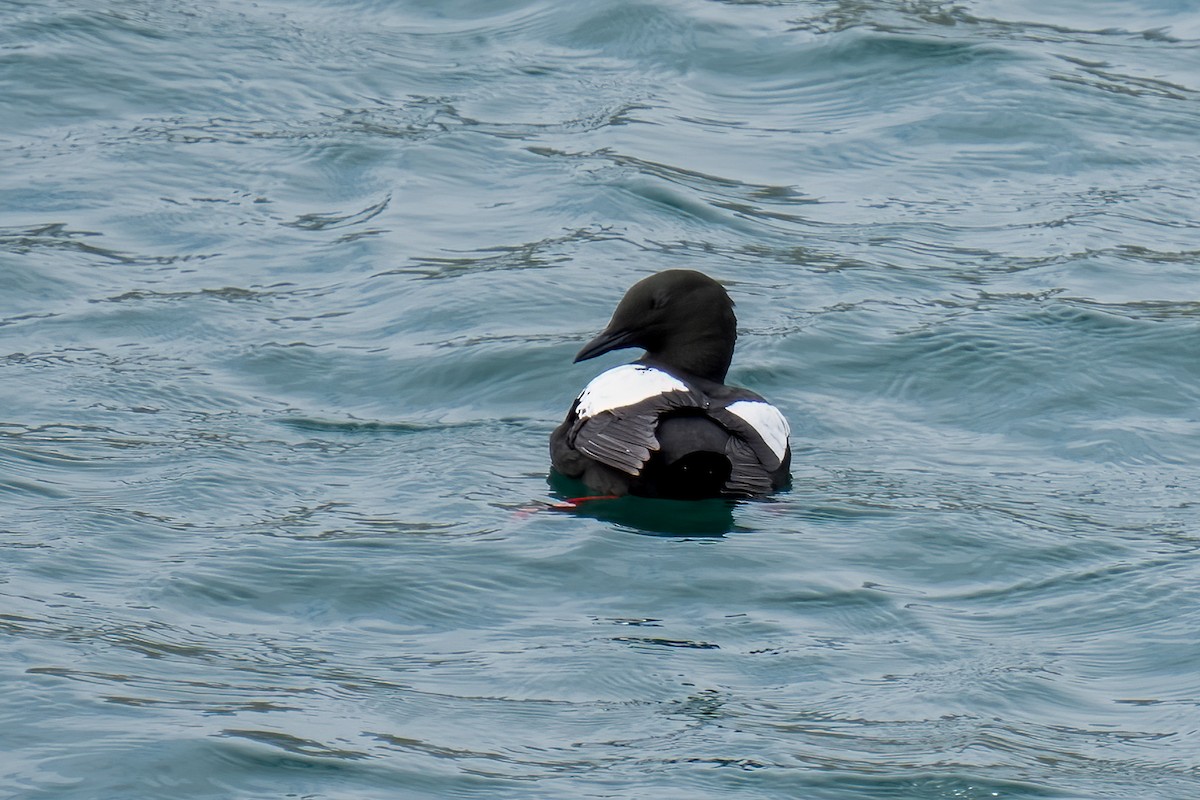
(289, 296)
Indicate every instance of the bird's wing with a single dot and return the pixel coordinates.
(759, 445)
(747, 475)
(624, 437)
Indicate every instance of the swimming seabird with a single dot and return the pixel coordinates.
(667, 425)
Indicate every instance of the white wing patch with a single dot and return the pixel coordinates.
(767, 420)
(625, 385)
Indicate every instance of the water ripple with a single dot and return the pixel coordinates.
(292, 293)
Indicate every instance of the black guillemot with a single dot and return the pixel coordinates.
(667, 425)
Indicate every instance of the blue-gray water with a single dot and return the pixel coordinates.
(289, 293)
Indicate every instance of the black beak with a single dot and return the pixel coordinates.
(604, 343)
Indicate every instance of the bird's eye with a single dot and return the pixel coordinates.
(658, 301)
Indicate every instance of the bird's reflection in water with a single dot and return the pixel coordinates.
(691, 518)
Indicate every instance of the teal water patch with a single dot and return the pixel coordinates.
(667, 517)
(289, 296)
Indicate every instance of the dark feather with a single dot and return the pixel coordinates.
(624, 438)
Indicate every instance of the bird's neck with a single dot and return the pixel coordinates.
(707, 357)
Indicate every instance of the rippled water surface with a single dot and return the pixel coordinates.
(290, 293)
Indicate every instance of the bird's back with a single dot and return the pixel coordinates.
(640, 429)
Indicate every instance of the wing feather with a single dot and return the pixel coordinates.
(623, 438)
(752, 458)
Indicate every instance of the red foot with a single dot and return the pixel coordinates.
(575, 502)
